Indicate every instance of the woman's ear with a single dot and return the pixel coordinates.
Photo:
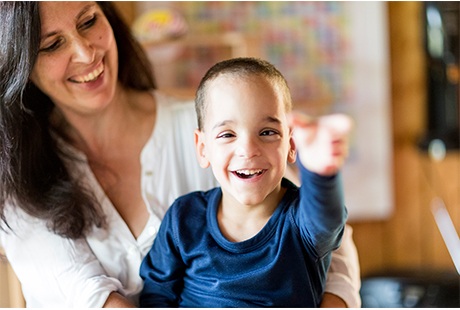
(200, 147)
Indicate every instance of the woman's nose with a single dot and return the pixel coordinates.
(82, 50)
(247, 147)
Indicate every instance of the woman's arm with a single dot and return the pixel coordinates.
(54, 271)
(343, 278)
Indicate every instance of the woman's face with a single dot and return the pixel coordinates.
(77, 64)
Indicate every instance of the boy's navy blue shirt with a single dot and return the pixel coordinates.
(191, 264)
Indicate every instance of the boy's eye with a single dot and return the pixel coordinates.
(268, 132)
(225, 135)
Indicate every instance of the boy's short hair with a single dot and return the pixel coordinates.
(240, 67)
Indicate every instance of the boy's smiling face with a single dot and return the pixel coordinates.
(245, 137)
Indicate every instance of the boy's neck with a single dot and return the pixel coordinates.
(239, 222)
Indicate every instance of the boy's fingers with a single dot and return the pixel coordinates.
(299, 119)
(340, 123)
(337, 126)
(305, 127)
(322, 142)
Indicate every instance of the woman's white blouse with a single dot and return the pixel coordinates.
(60, 272)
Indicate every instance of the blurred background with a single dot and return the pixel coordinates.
(392, 66)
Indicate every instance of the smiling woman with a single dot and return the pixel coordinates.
(77, 65)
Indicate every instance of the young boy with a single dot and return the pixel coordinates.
(258, 240)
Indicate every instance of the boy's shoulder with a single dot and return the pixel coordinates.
(195, 200)
(192, 208)
(198, 195)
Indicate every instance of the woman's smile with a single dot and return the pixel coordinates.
(90, 77)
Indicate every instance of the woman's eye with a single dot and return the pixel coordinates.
(56, 44)
(89, 23)
(52, 47)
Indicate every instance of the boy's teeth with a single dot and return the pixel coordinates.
(248, 172)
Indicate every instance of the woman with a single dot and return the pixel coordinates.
(91, 155)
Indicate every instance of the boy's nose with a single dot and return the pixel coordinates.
(247, 147)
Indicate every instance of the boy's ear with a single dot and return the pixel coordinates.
(200, 149)
(292, 154)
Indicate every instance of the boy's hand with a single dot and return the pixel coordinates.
(322, 143)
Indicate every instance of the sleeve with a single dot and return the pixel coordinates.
(321, 215)
(54, 271)
(162, 269)
(343, 278)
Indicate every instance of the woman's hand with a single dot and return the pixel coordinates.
(115, 300)
(332, 301)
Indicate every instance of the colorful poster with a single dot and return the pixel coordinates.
(334, 56)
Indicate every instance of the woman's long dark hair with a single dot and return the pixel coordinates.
(33, 175)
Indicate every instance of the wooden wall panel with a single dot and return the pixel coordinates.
(405, 226)
(370, 249)
(410, 238)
